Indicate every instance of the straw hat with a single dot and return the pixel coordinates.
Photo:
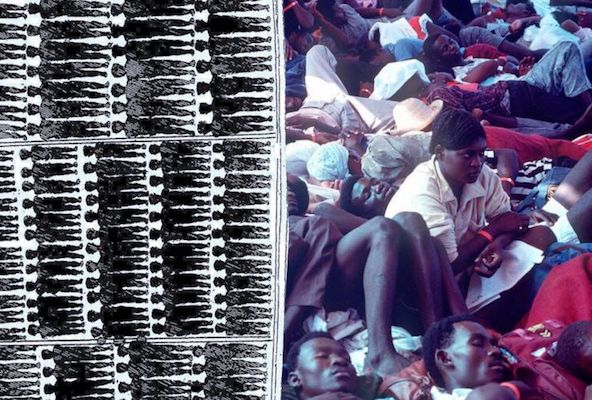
(413, 115)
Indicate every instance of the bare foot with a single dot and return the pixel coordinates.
(386, 363)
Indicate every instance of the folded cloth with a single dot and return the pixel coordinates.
(518, 260)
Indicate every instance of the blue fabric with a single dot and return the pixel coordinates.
(295, 73)
(405, 49)
(553, 178)
(538, 196)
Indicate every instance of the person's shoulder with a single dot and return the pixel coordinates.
(424, 173)
(423, 180)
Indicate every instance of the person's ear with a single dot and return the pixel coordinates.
(439, 151)
(294, 379)
(443, 360)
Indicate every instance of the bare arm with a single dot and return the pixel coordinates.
(501, 229)
(337, 35)
(345, 221)
(304, 17)
(482, 72)
(433, 29)
(507, 167)
(379, 12)
(467, 253)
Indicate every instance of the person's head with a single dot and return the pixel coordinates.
(459, 352)
(458, 142)
(443, 49)
(574, 350)
(330, 9)
(365, 197)
(319, 364)
(297, 196)
(520, 8)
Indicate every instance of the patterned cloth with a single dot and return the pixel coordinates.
(488, 99)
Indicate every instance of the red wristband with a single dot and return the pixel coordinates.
(513, 388)
(381, 12)
(486, 235)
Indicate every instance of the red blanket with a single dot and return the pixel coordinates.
(566, 294)
(531, 147)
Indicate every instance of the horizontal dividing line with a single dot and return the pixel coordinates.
(179, 340)
(184, 139)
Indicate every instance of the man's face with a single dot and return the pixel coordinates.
(448, 49)
(464, 165)
(323, 367)
(474, 357)
(371, 196)
(293, 208)
(294, 186)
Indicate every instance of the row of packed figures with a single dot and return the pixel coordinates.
(136, 240)
(135, 369)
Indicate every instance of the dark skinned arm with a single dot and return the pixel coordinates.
(345, 221)
(467, 253)
(304, 17)
(507, 166)
(506, 223)
(482, 72)
(434, 29)
(339, 37)
(375, 12)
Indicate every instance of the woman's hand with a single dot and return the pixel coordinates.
(490, 259)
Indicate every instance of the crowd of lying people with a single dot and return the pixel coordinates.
(439, 199)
